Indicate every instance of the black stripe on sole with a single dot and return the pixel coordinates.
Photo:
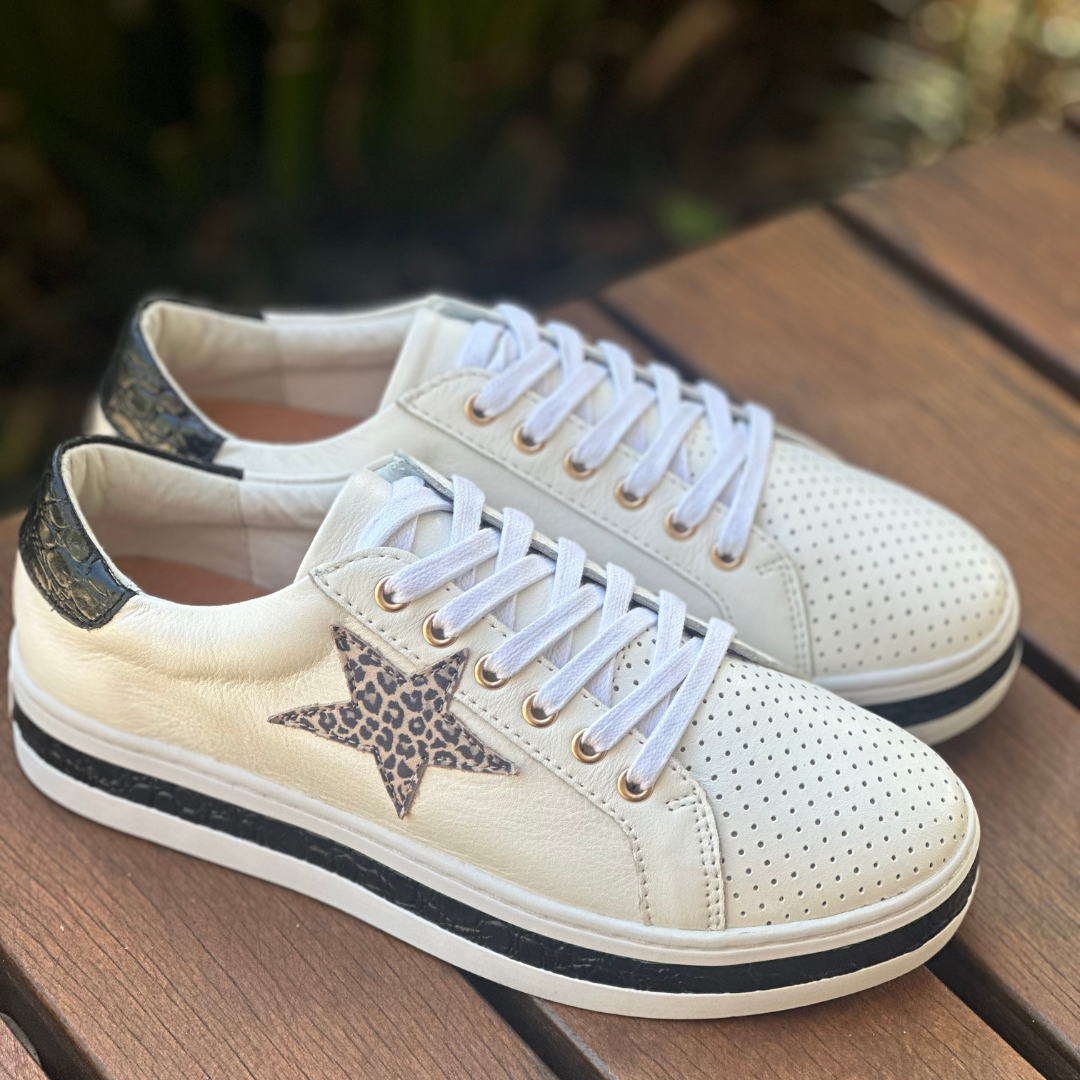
(934, 706)
(487, 931)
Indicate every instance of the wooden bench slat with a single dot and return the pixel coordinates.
(135, 962)
(799, 315)
(997, 225)
(910, 1029)
(1022, 767)
(15, 1061)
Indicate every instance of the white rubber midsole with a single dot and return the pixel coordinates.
(945, 727)
(277, 868)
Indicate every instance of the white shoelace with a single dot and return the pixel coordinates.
(736, 473)
(679, 673)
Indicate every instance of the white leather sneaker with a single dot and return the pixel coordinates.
(841, 577)
(470, 737)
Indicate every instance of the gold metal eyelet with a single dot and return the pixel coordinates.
(534, 716)
(675, 530)
(524, 444)
(725, 562)
(473, 415)
(384, 601)
(625, 501)
(574, 470)
(484, 677)
(631, 794)
(586, 757)
(432, 636)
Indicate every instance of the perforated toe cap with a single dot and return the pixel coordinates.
(890, 578)
(821, 807)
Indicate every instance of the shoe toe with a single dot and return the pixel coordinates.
(891, 580)
(822, 807)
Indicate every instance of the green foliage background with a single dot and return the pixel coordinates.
(335, 150)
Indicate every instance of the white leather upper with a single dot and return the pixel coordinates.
(821, 807)
(845, 575)
(784, 804)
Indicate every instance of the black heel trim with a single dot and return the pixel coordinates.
(140, 401)
(62, 560)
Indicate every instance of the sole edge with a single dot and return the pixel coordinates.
(280, 868)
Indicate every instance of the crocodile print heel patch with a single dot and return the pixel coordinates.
(63, 561)
(144, 406)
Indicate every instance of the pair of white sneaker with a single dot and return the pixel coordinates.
(563, 783)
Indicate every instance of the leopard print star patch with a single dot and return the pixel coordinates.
(404, 720)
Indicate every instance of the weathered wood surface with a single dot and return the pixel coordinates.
(15, 1062)
(123, 959)
(910, 1029)
(997, 225)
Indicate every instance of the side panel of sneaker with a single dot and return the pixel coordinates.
(847, 579)
(199, 727)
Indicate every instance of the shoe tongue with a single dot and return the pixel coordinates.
(359, 500)
(361, 497)
(431, 348)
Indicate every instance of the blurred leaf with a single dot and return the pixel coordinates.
(689, 220)
(23, 422)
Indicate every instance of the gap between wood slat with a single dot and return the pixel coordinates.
(1051, 671)
(546, 1034)
(997, 1006)
(650, 343)
(62, 1057)
(965, 304)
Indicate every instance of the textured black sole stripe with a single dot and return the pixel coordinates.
(466, 922)
(934, 706)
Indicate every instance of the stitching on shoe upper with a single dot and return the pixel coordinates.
(713, 879)
(797, 607)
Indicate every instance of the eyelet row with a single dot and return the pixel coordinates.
(533, 716)
(536, 718)
(580, 472)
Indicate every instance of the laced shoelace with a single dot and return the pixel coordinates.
(660, 707)
(735, 475)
